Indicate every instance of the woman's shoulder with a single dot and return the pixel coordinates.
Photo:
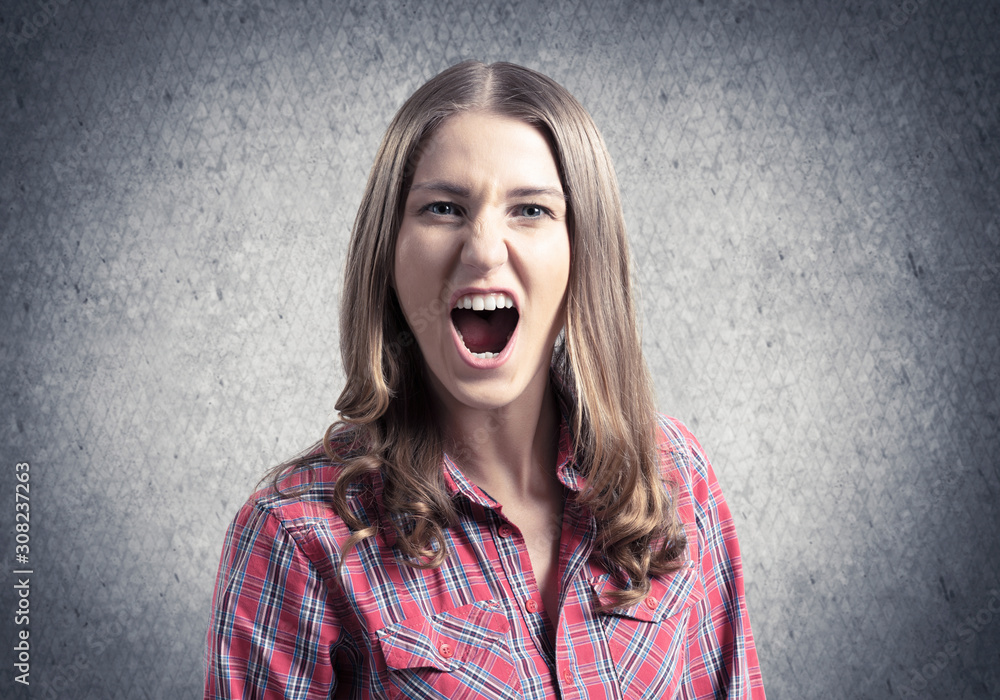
(682, 459)
(299, 495)
(674, 436)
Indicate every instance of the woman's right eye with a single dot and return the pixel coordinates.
(441, 208)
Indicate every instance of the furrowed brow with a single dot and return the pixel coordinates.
(443, 187)
(454, 190)
(520, 192)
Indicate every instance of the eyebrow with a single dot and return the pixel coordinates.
(459, 191)
(537, 192)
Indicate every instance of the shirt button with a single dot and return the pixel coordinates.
(445, 650)
(567, 676)
(531, 606)
(651, 602)
(505, 531)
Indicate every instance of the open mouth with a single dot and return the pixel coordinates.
(485, 322)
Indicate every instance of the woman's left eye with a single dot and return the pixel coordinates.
(531, 211)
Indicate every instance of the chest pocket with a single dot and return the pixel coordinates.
(460, 653)
(646, 641)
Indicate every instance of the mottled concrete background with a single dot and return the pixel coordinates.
(812, 194)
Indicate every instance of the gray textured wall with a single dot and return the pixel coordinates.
(812, 194)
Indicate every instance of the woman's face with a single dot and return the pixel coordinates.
(482, 260)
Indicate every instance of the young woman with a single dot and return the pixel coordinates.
(500, 512)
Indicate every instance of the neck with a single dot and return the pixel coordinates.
(508, 451)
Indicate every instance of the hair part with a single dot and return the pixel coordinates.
(385, 425)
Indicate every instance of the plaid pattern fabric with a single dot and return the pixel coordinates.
(284, 627)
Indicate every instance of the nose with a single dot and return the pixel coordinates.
(485, 247)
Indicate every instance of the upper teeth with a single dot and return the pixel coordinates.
(484, 302)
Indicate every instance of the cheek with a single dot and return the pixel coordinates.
(407, 262)
(415, 257)
(417, 283)
(557, 274)
(402, 283)
(561, 287)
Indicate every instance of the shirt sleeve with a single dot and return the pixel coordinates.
(271, 629)
(722, 657)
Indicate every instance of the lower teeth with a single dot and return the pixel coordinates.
(481, 355)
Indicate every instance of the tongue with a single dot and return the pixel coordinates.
(485, 331)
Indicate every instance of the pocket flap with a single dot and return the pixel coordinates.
(668, 595)
(445, 640)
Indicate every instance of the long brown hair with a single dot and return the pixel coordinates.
(386, 423)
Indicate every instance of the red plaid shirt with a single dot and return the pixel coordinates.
(283, 627)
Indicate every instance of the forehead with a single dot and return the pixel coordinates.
(478, 145)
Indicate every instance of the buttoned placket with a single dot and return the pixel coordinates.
(516, 565)
(575, 546)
